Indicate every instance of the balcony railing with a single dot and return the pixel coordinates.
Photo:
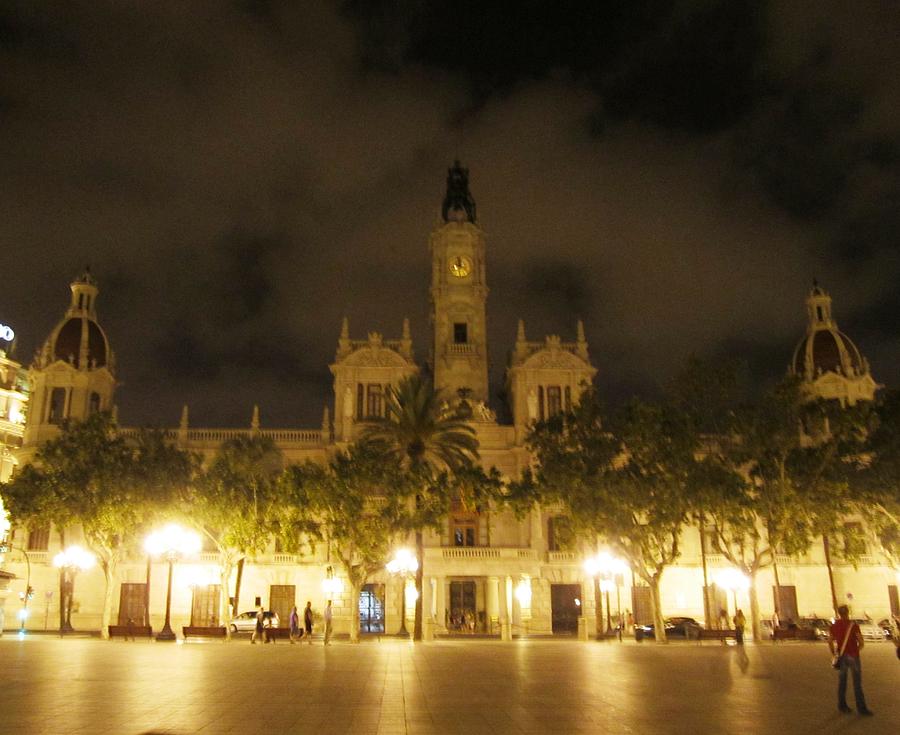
(562, 557)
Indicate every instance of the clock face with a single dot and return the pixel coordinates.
(460, 266)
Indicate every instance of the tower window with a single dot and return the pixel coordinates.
(819, 313)
(57, 406)
(554, 400)
(360, 401)
(374, 402)
(460, 333)
(568, 393)
(94, 404)
(541, 414)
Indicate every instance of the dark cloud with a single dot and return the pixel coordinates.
(241, 176)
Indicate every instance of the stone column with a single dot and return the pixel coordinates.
(493, 605)
(588, 622)
(506, 609)
(440, 613)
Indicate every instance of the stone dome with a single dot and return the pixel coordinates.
(66, 343)
(827, 350)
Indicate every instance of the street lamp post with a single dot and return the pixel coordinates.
(171, 543)
(403, 564)
(69, 563)
(734, 580)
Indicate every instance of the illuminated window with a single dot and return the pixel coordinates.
(560, 536)
(460, 333)
(464, 531)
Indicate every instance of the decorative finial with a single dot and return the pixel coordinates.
(405, 334)
(459, 206)
(580, 331)
(345, 328)
(520, 332)
(183, 424)
(254, 422)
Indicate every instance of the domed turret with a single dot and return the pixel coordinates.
(827, 359)
(73, 374)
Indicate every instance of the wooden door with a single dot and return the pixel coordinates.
(133, 603)
(787, 606)
(282, 598)
(643, 605)
(205, 606)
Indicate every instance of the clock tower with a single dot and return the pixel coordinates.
(458, 295)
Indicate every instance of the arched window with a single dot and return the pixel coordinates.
(94, 404)
(57, 406)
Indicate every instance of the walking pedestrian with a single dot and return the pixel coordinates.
(740, 622)
(258, 630)
(269, 629)
(308, 621)
(328, 623)
(845, 633)
(295, 624)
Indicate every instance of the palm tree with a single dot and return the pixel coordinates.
(427, 437)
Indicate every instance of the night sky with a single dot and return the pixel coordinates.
(241, 175)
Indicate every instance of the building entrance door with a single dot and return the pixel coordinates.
(463, 607)
(133, 604)
(787, 606)
(282, 598)
(565, 608)
(205, 606)
(371, 609)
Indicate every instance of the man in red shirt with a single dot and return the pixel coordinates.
(845, 640)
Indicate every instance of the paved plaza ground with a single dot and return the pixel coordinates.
(50, 686)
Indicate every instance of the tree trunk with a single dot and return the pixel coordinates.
(420, 557)
(109, 576)
(63, 586)
(706, 611)
(659, 625)
(754, 608)
(224, 604)
(827, 546)
(355, 586)
(777, 586)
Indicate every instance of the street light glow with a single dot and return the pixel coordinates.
(75, 557)
(732, 579)
(172, 539)
(404, 562)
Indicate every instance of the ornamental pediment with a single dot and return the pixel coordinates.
(374, 355)
(556, 359)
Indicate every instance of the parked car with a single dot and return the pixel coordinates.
(246, 621)
(686, 628)
(888, 627)
(822, 626)
(870, 631)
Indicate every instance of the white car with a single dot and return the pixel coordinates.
(246, 621)
(870, 631)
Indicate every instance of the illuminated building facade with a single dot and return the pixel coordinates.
(485, 572)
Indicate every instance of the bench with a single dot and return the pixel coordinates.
(130, 631)
(794, 634)
(711, 634)
(203, 631)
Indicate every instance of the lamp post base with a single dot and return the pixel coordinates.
(166, 634)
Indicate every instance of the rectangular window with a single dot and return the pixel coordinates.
(541, 414)
(94, 404)
(568, 399)
(57, 406)
(374, 401)
(460, 333)
(854, 541)
(360, 401)
(39, 539)
(463, 531)
(554, 400)
(560, 536)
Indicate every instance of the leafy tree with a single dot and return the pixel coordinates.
(92, 476)
(876, 481)
(235, 504)
(628, 482)
(356, 504)
(427, 437)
